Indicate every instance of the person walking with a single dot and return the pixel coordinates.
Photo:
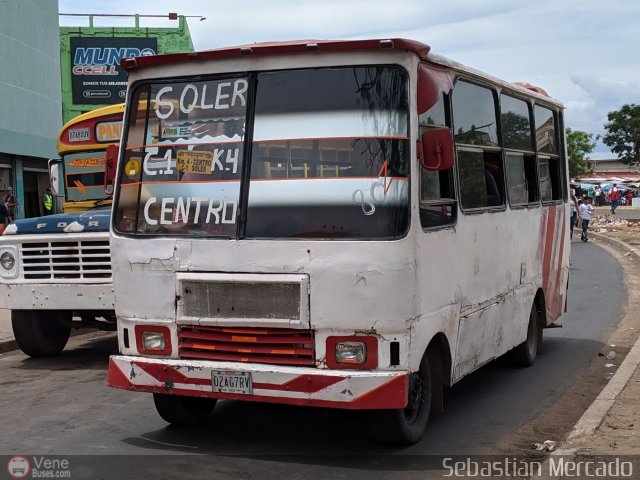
(4, 217)
(586, 210)
(630, 198)
(614, 196)
(47, 202)
(12, 204)
(598, 195)
(574, 212)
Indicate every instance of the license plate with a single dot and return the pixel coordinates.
(231, 381)
(79, 135)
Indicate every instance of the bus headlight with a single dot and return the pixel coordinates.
(356, 352)
(153, 339)
(7, 260)
(352, 353)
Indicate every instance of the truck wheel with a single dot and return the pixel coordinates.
(40, 333)
(524, 355)
(406, 426)
(183, 411)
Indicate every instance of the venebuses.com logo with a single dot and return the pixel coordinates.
(38, 467)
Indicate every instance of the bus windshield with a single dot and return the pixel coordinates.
(311, 153)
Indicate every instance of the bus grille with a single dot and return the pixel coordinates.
(226, 299)
(275, 346)
(85, 260)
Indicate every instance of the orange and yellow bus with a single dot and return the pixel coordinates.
(82, 146)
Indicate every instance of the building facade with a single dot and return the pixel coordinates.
(30, 95)
(608, 165)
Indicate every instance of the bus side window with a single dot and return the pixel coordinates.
(437, 195)
(480, 174)
(551, 182)
(480, 167)
(519, 151)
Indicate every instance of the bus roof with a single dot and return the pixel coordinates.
(422, 50)
(98, 112)
(279, 48)
(117, 109)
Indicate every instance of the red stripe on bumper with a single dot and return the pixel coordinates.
(303, 384)
(169, 375)
(116, 377)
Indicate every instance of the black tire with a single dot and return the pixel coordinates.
(183, 411)
(406, 426)
(524, 355)
(40, 333)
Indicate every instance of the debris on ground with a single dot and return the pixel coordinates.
(546, 446)
(626, 230)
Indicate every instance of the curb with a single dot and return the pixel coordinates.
(7, 346)
(619, 244)
(593, 417)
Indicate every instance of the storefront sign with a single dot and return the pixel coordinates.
(95, 67)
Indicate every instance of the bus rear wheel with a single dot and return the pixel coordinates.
(40, 333)
(406, 426)
(524, 355)
(183, 411)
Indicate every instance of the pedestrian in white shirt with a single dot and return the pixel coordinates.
(598, 195)
(586, 211)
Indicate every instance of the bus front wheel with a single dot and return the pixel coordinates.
(406, 426)
(40, 333)
(183, 411)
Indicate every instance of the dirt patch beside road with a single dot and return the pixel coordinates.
(625, 230)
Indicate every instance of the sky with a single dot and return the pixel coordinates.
(585, 53)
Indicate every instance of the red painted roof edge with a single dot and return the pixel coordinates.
(275, 48)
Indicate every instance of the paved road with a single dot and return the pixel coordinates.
(62, 406)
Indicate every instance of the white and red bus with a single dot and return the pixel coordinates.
(348, 224)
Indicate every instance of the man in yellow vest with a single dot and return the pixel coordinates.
(47, 202)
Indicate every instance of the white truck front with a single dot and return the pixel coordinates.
(55, 275)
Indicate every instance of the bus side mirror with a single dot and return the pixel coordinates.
(54, 174)
(437, 149)
(110, 165)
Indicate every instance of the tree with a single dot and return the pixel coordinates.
(623, 133)
(579, 145)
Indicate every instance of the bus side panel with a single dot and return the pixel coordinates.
(492, 331)
(488, 269)
(555, 246)
(426, 326)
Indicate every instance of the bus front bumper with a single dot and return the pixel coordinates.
(51, 296)
(346, 389)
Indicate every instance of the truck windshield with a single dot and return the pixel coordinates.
(314, 153)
